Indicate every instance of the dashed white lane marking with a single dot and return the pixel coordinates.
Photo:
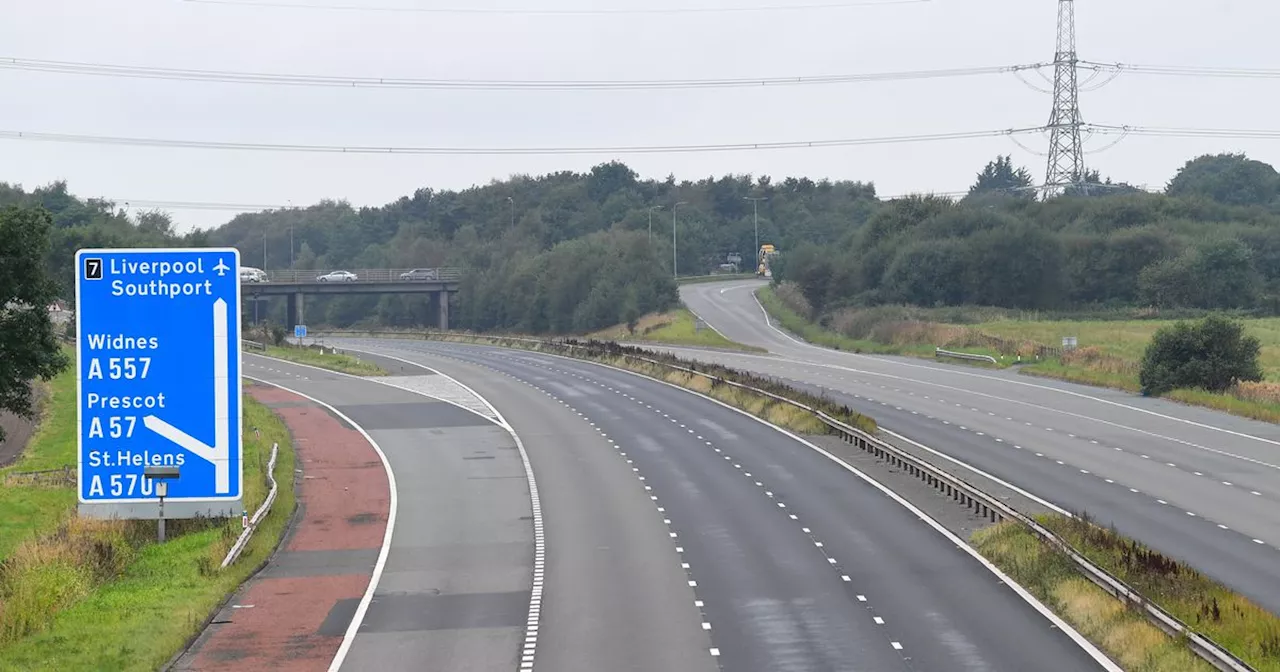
(831, 561)
(845, 578)
(531, 637)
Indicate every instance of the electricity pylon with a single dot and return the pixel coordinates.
(1066, 151)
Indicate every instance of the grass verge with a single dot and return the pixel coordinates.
(28, 508)
(1237, 624)
(677, 327)
(333, 361)
(697, 279)
(1124, 634)
(797, 324)
(83, 594)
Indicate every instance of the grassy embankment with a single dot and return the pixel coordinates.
(677, 327)
(325, 359)
(915, 343)
(1245, 629)
(1108, 355)
(696, 279)
(81, 594)
(1124, 634)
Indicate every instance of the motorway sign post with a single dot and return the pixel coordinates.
(299, 332)
(158, 381)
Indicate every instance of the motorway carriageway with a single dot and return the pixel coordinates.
(1199, 485)
(684, 535)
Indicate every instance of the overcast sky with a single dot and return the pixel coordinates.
(930, 35)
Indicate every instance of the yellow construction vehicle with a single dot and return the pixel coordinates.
(767, 253)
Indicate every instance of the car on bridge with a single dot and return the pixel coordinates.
(337, 276)
(251, 274)
(421, 274)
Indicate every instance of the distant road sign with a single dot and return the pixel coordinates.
(299, 331)
(158, 367)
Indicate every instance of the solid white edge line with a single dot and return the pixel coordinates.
(367, 598)
(696, 316)
(994, 479)
(1050, 388)
(535, 504)
(1053, 618)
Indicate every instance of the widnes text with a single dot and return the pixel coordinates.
(122, 342)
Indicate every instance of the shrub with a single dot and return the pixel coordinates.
(792, 297)
(1213, 354)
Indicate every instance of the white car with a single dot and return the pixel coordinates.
(251, 274)
(337, 276)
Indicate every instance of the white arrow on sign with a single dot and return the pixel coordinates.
(220, 452)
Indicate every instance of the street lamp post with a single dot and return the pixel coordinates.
(290, 237)
(675, 273)
(651, 209)
(512, 201)
(755, 207)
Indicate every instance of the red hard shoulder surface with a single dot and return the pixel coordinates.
(274, 622)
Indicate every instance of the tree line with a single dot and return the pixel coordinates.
(571, 251)
(555, 253)
(1211, 240)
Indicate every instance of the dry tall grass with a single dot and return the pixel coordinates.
(1127, 637)
(1266, 393)
(790, 295)
(46, 574)
(1093, 358)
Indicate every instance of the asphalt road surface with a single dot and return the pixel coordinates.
(458, 583)
(1200, 485)
(793, 563)
(454, 594)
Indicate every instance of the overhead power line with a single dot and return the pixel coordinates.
(1182, 71)
(290, 79)
(624, 149)
(561, 12)
(1168, 132)
(109, 70)
(630, 149)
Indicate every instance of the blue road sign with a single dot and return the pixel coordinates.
(299, 331)
(158, 367)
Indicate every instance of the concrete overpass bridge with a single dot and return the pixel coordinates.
(437, 284)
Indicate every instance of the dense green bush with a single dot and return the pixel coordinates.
(1211, 354)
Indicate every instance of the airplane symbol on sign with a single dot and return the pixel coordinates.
(221, 268)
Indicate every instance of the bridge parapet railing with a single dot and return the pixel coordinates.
(364, 275)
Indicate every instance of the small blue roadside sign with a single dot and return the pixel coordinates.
(158, 369)
(299, 331)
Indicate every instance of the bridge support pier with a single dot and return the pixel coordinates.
(442, 300)
(294, 310)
